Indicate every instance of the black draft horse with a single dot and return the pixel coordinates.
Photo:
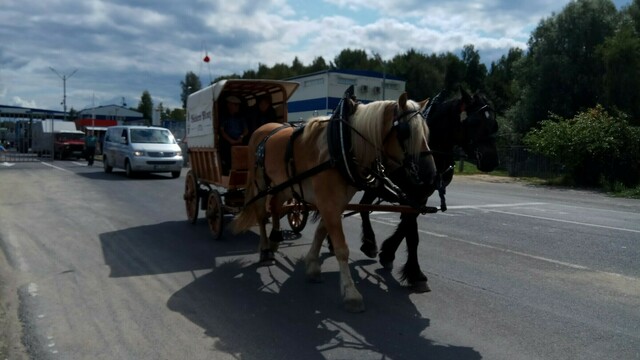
(468, 122)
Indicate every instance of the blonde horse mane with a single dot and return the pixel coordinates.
(371, 128)
(375, 129)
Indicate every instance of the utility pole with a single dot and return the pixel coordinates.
(64, 89)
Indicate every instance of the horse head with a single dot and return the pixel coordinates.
(412, 137)
(468, 122)
(399, 138)
(480, 129)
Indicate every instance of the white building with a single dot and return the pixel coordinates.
(319, 93)
(121, 114)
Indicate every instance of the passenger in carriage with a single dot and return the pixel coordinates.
(261, 113)
(233, 131)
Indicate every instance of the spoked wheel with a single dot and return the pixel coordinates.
(215, 214)
(298, 215)
(191, 197)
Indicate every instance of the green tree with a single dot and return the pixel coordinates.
(621, 85)
(297, 68)
(318, 64)
(500, 80)
(189, 85)
(475, 71)
(561, 72)
(72, 115)
(455, 72)
(349, 59)
(177, 114)
(145, 106)
(633, 11)
(425, 75)
(593, 146)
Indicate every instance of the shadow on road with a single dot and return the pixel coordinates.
(121, 175)
(294, 319)
(272, 312)
(169, 247)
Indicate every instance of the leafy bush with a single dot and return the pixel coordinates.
(594, 146)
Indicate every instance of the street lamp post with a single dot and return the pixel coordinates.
(64, 88)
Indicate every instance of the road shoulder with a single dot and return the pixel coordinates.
(10, 327)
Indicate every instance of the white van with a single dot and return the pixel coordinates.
(141, 149)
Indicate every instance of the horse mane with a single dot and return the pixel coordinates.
(419, 134)
(375, 129)
(371, 123)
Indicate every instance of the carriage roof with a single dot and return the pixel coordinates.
(248, 87)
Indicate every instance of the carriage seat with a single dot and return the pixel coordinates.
(239, 157)
(237, 176)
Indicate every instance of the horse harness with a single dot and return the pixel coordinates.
(339, 144)
(443, 178)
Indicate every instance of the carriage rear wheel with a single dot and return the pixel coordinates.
(297, 215)
(191, 196)
(215, 214)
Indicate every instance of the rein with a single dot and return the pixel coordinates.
(339, 143)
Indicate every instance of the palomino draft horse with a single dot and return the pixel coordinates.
(304, 164)
(468, 122)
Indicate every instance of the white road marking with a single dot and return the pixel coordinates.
(567, 221)
(79, 163)
(530, 256)
(573, 266)
(489, 206)
(57, 167)
(32, 289)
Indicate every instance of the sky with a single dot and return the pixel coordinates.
(111, 51)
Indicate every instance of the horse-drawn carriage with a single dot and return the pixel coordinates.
(211, 185)
(382, 147)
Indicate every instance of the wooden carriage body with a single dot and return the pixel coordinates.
(209, 186)
(204, 111)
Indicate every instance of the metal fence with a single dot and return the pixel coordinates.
(520, 161)
(13, 156)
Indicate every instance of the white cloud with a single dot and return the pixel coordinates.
(17, 101)
(122, 48)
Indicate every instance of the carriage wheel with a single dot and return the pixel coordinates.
(191, 197)
(215, 214)
(297, 216)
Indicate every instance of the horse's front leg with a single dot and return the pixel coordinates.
(312, 260)
(275, 237)
(390, 245)
(270, 244)
(369, 246)
(411, 271)
(351, 297)
(266, 254)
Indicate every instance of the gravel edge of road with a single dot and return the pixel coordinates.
(11, 346)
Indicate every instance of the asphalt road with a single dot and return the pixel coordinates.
(106, 267)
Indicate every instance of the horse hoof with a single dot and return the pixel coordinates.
(354, 306)
(386, 261)
(387, 265)
(421, 287)
(371, 250)
(276, 236)
(267, 256)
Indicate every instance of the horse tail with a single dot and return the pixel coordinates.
(248, 217)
